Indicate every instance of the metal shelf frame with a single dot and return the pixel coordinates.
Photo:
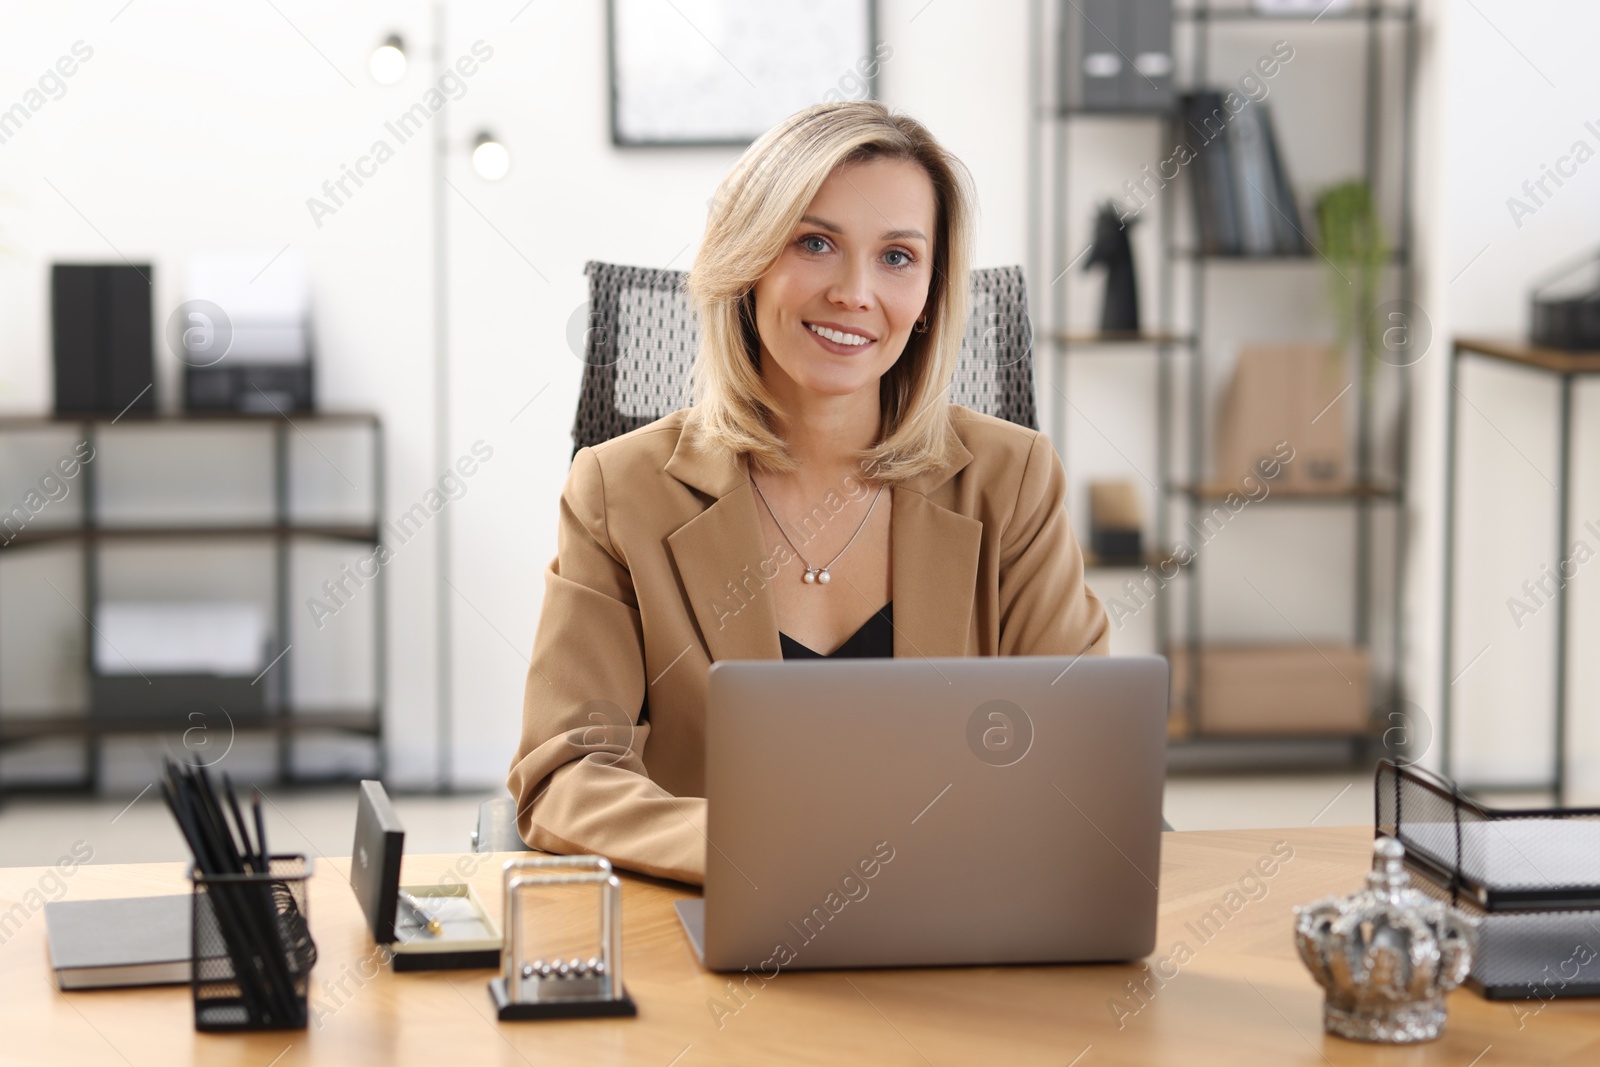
(281, 719)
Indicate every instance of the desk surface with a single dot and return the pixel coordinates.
(1240, 997)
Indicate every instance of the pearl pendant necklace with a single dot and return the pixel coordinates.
(816, 575)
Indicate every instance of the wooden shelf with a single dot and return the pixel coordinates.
(180, 418)
(1522, 354)
(1246, 257)
(77, 723)
(1396, 256)
(1099, 340)
(1295, 494)
(340, 532)
(1247, 14)
(1109, 113)
(1093, 560)
(1179, 732)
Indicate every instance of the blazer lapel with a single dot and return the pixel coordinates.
(719, 557)
(934, 556)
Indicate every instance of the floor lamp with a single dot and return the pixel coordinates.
(491, 162)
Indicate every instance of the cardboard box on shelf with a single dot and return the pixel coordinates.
(1115, 524)
(1276, 689)
(1286, 392)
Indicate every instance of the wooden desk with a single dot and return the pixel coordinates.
(1243, 999)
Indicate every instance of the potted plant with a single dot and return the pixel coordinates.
(1357, 249)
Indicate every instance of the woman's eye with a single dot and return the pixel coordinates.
(816, 244)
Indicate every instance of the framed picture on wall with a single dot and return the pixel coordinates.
(723, 72)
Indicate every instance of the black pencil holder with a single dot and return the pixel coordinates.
(252, 947)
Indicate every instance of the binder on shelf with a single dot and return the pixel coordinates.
(1205, 122)
(1252, 181)
(1291, 238)
(1091, 65)
(1116, 55)
(100, 326)
(1147, 31)
(1243, 202)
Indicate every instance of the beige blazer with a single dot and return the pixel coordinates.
(660, 569)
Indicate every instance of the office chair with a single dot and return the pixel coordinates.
(639, 348)
(642, 336)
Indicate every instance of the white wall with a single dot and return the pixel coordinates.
(1517, 86)
(195, 124)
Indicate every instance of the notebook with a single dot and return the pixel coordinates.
(130, 941)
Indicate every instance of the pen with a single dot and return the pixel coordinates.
(420, 916)
(249, 855)
(261, 833)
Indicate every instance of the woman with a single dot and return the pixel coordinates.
(820, 497)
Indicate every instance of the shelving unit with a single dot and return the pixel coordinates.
(1179, 344)
(279, 716)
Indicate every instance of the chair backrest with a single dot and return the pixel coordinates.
(643, 334)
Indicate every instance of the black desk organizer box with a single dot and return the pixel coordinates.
(225, 999)
(1531, 878)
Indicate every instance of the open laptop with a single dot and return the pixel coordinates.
(908, 812)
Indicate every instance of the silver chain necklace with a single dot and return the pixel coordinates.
(818, 575)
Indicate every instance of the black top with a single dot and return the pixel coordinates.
(875, 638)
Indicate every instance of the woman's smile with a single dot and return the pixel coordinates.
(838, 339)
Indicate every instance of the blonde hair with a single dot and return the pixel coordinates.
(752, 216)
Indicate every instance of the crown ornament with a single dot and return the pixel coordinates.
(1386, 955)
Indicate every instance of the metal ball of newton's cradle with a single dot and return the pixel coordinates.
(574, 968)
